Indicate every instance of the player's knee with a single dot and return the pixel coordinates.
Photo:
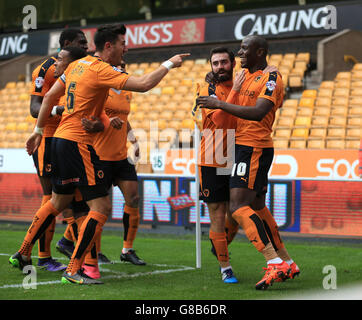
(134, 201)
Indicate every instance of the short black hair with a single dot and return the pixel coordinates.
(108, 33)
(69, 34)
(222, 50)
(259, 42)
(75, 52)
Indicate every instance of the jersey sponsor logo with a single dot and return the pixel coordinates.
(70, 180)
(39, 82)
(271, 85)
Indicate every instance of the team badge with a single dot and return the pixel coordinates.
(100, 174)
(271, 85)
(39, 81)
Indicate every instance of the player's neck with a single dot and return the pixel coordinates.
(101, 55)
(258, 66)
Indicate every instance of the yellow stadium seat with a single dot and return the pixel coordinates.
(285, 122)
(323, 102)
(287, 63)
(276, 57)
(10, 85)
(153, 116)
(284, 70)
(318, 133)
(298, 64)
(333, 133)
(182, 89)
(354, 122)
(175, 124)
(302, 122)
(166, 115)
(357, 66)
(290, 103)
(320, 121)
(306, 102)
(353, 133)
(281, 144)
(355, 101)
(344, 75)
(187, 124)
(321, 111)
(11, 126)
(24, 97)
(356, 92)
(309, 94)
(295, 81)
(327, 85)
(325, 92)
(335, 144)
(352, 144)
(180, 115)
(342, 84)
(341, 92)
(355, 111)
(337, 121)
(357, 75)
(339, 111)
(168, 90)
(188, 62)
(300, 133)
(340, 101)
(297, 144)
(316, 144)
(22, 126)
(304, 112)
(297, 72)
(138, 116)
(290, 112)
(303, 56)
(356, 84)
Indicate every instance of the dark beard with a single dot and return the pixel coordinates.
(227, 77)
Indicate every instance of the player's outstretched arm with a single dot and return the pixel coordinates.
(152, 79)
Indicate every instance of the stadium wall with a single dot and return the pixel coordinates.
(328, 204)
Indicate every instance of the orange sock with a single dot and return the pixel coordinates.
(71, 229)
(41, 221)
(271, 228)
(218, 241)
(231, 230)
(45, 240)
(253, 226)
(91, 228)
(131, 220)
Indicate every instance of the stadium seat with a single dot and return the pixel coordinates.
(276, 57)
(316, 144)
(303, 56)
(321, 111)
(168, 90)
(187, 124)
(285, 122)
(295, 81)
(298, 144)
(300, 133)
(304, 112)
(320, 121)
(290, 103)
(282, 133)
(323, 102)
(299, 64)
(333, 133)
(357, 66)
(327, 85)
(339, 111)
(153, 116)
(10, 85)
(356, 92)
(166, 115)
(355, 111)
(340, 101)
(281, 144)
(317, 133)
(356, 84)
(179, 115)
(289, 112)
(341, 92)
(309, 94)
(176, 124)
(306, 102)
(187, 82)
(353, 133)
(354, 122)
(325, 92)
(352, 144)
(337, 121)
(357, 75)
(335, 144)
(345, 75)
(342, 84)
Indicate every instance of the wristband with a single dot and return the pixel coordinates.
(38, 130)
(168, 64)
(54, 111)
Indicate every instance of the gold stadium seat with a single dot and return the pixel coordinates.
(356, 84)
(299, 64)
(166, 115)
(337, 121)
(168, 90)
(339, 84)
(300, 133)
(335, 144)
(187, 82)
(309, 94)
(340, 101)
(317, 133)
(182, 89)
(353, 133)
(327, 85)
(11, 126)
(281, 144)
(341, 92)
(306, 102)
(287, 63)
(162, 124)
(10, 85)
(175, 124)
(352, 144)
(334, 133)
(22, 126)
(344, 75)
(285, 122)
(276, 57)
(304, 112)
(320, 121)
(303, 56)
(297, 144)
(325, 92)
(316, 144)
(356, 92)
(297, 72)
(302, 122)
(357, 66)
(153, 115)
(290, 112)
(357, 75)
(180, 115)
(354, 121)
(290, 103)
(295, 81)
(355, 111)
(323, 102)
(187, 124)
(339, 111)
(321, 111)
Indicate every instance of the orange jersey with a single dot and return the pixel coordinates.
(42, 80)
(257, 85)
(213, 141)
(87, 82)
(110, 145)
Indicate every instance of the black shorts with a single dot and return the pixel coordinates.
(42, 158)
(214, 187)
(251, 168)
(119, 170)
(76, 165)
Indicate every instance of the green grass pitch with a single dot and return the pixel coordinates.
(170, 273)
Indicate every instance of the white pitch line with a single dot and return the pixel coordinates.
(117, 274)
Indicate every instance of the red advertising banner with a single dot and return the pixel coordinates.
(331, 207)
(157, 34)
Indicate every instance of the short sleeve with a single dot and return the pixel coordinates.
(43, 78)
(111, 77)
(272, 88)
